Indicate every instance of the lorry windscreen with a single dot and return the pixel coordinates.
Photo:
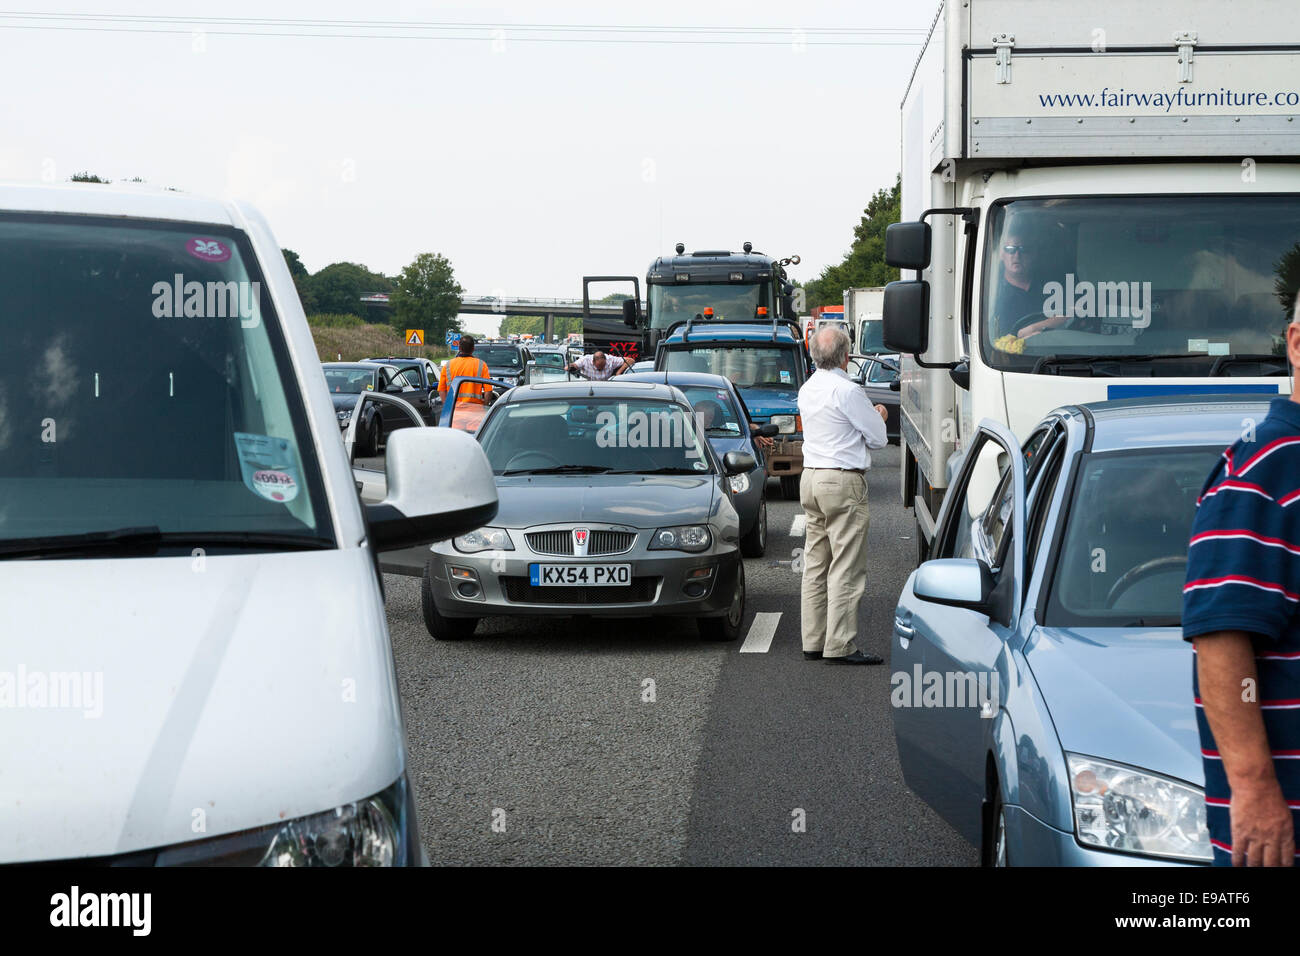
(1194, 276)
(730, 302)
(772, 367)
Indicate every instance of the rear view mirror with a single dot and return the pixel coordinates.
(907, 245)
(907, 316)
(631, 313)
(439, 485)
(738, 462)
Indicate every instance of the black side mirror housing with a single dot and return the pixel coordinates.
(907, 316)
(769, 430)
(631, 313)
(738, 462)
(907, 245)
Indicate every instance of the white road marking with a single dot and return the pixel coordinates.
(761, 632)
(798, 525)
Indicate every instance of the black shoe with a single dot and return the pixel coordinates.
(812, 655)
(857, 657)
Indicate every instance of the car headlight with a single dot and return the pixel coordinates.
(1121, 808)
(345, 415)
(377, 831)
(484, 539)
(739, 483)
(784, 423)
(691, 537)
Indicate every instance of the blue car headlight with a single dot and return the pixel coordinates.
(1136, 811)
(376, 831)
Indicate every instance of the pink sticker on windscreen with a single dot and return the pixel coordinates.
(209, 250)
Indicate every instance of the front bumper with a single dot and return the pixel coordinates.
(659, 582)
(1031, 842)
(785, 460)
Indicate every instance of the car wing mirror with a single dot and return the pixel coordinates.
(955, 582)
(769, 430)
(738, 462)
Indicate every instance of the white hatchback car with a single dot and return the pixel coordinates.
(196, 665)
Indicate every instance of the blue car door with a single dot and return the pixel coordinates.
(949, 663)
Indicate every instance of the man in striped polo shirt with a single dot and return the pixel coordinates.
(1241, 611)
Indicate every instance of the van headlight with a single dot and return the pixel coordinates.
(483, 539)
(739, 483)
(784, 423)
(377, 831)
(691, 537)
(1136, 811)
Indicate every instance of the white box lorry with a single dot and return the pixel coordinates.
(1102, 201)
(863, 310)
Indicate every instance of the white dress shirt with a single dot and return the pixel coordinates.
(839, 424)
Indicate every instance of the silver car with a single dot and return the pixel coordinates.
(610, 505)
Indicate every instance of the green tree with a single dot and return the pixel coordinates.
(536, 324)
(302, 281)
(86, 178)
(864, 266)
(338, 288)
(427, 296)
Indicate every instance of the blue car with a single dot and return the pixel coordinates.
(1041, 689)
(726, 421)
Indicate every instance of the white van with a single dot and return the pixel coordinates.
(194, 658)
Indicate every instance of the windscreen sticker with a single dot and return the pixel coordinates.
(269, 466)
(1198, 345)
(209, 250)
(785, 377)
(1220, 348)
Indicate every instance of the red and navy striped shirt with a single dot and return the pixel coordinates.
(1243, 574)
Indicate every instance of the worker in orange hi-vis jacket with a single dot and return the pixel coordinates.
(465, 364)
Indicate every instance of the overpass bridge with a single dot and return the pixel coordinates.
(548, 309)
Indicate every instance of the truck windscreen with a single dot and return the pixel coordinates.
(730, 302)
(1129, 276)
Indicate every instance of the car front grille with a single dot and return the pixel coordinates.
(561, 542)
(518, 590)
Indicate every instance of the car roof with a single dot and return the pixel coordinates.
(362, 366)
(760, 333)
(129, 200)
(1170, 420)
(679, 379)
(607, 389)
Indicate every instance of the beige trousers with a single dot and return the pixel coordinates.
(834, 559)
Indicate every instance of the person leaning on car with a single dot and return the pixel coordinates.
(599, 367)
(839, 426)
(1240, 613)
(465, 364)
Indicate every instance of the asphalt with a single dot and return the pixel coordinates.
(584, 741)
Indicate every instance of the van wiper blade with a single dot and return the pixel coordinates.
(1092, 361)
(148, 539)
(1222, 362)
(559, 470)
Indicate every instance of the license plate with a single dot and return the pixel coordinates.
(567, 575)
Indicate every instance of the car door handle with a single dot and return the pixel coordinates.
(903, 630)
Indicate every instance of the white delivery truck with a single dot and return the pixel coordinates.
(863, 310)
(1101, 201)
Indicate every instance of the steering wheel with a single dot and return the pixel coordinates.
(1024, 320)
(1141, 572)
(530, 454)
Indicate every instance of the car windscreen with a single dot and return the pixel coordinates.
(715, 413)
(353, 380)
(593, 435)
(550, 359)
(149, 366)
(1123, 555)
(745, 367)
(499, 357)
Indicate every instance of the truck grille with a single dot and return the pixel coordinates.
(519, 591)
(561, 542)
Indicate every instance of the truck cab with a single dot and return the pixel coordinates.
(766, 362)
(1089, 215)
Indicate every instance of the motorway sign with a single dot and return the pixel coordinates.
(415, 336)
(453, 339)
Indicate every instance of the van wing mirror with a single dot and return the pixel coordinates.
(440, 485)
(631, 313)
(907, 316)
(907, 245)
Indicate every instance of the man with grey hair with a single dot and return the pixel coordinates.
(839, 428)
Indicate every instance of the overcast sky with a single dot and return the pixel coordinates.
(527, 164)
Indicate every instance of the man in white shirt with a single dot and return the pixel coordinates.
(839, 426)
(599, 367)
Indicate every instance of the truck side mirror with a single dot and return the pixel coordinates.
(631, 313)
(907, 316)
(787, 307)
(907, 245)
